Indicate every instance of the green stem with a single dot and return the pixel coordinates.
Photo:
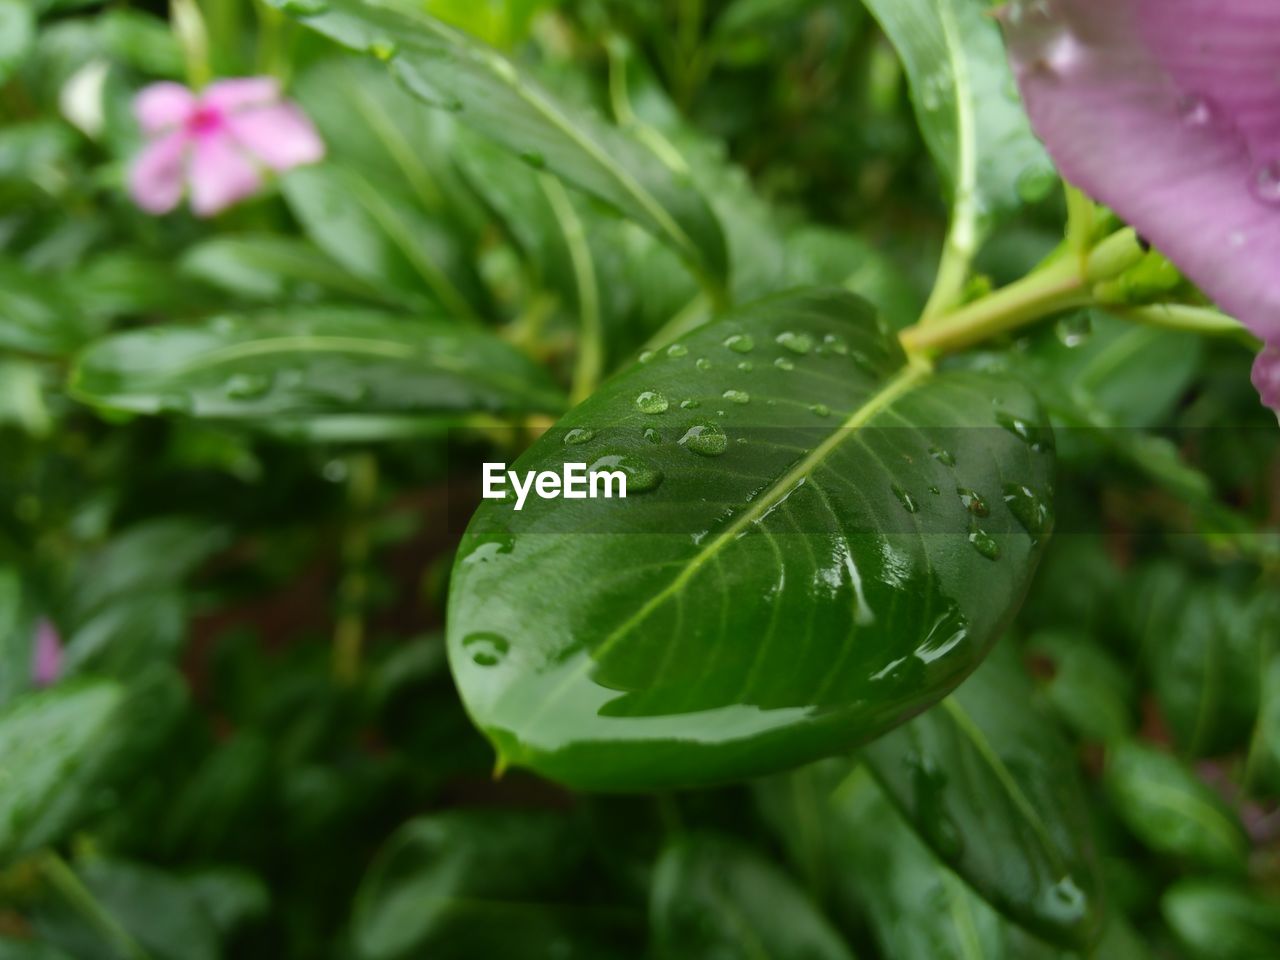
(63, 879)
(193, 37)
(1082, 220)
(1179, 316)
(590, 361)
(953, 272)
(349, 630)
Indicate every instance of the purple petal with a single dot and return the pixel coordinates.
(221, 175)
(156, 178)
(240, 93)
(46, 659)
(163, 106)
(1168, 111)
(280, 136)
(1266, 377)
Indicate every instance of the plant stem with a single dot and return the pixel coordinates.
(349, 630)
(1054, 287)
(953, 272)
(590, 361)
(1179, 316)
(63, 879)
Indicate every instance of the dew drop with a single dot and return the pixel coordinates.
(746, 366)
(944, 457)
(936, 491)
(834, 344)
(677, 350)
(1266, 183)
(820, 409)
(486, 649)
(248, 386)
(985, 544)
(641, 476)
(800, 343)
(652, 402)
(908, 502)
(652, 435)
(740, 397)
(740, 343)
(782, 363)
(973, 502)
(1037, 438)
(646, 356)
(1028, 509)
(1075, 330)
(703, 364)
(690, 404)
(705, 439)
(578, 435)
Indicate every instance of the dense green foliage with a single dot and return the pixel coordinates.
(958, 642)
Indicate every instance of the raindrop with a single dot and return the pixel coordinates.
(1028, 509)
(944, 457)
(985, 544)
(740, 343)
(1033, 436)
(1266, 183)
(1196, 111)
(705, 439)
(652, 435)
(646, 356)
(652, 402)
(248, 386)
(486, 649)
(908, 502)
(703, 364)
(833, 344)
(641, 476)
(936, 491)
(746, 366)
(782, 363)
(800, 343)
(821, 409)
(690, 404)
(677, 350)
(578, 435)
(973, 502)
(1074, 330)
(740, 397)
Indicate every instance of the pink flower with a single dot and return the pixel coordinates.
(1168, 111)
(216, 143)
(46, 655)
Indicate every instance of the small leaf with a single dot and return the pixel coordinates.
(1088, 689)
(61, 746)
(444, 66)
(310, 362)
(1222, 921)
(715, 898)
(993, 789)
(36, 316)
(1171, 811)
(817, 547)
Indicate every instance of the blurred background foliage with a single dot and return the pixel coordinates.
(256, 750)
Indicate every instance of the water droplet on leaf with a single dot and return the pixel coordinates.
(705, 439)
(908, 502)
(677, 350)
(800, 343)
(985, 544)
(486, 649)
(740, 343)
(740, 397)
(578, 435)
(652, 402)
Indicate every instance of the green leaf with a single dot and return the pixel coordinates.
(1088, 689)
(60, 747)
(472, 884)
(1222, 921)
(916, 907)
(382, 237)
(989, 783)
(1171, 811)
(822, 256)
(715, 898)
(309, 362)
(17, 628)
(17, 33)
(967, 107)
(444, 66)
(816, 546)
(36, 316)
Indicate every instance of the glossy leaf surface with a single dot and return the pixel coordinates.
(309, 362)
(715, 898)
(1222, 921)
(819, 540)
(444, 66)
(991, 785)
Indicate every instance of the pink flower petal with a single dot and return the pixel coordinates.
(156, 178)
(240, 93)
(1266, 377)
(163, 106)
(280, 136)
(46, 658)
(221, 175)
(1168, 111)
